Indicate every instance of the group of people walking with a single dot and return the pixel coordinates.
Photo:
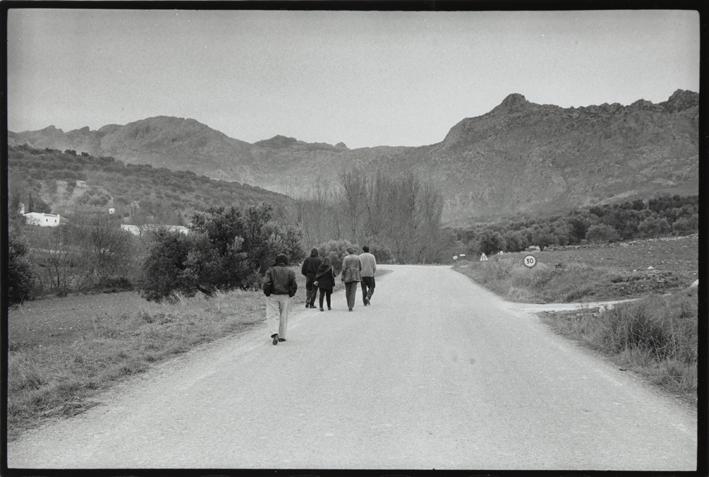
(280, 285)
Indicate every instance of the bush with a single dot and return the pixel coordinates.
(19, 272)
(381, 253)
(602, 233)
(654, 227)
(516, 242)
(665, 327)
(490, 242)
(336, 250)
(225, 250)
(165, 265)
(685, 225)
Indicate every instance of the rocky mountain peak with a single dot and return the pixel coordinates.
(513, 102)
(277, 141)
(680, 100)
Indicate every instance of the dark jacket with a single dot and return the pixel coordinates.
(280, 280)
(325, 278)
(310, 267)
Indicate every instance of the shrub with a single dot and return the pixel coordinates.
(224, 250)
(381, 253)
(336, 250)
(19, 272)
(209, 268)
(602, 233)
(665, 327)
(165, 264)
(685, 225)
(490, 242)
(516, 242)
(654, 227)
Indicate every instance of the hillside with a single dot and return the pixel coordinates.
(69, 184)
(521, 157)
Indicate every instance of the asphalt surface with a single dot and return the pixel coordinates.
(437, 373)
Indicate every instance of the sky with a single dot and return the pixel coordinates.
(363, 78)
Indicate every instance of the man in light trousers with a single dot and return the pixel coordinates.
(350, 276)
(279, 286)
(369, 268)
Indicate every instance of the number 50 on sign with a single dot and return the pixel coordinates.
(529, 261)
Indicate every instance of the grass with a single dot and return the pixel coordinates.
(602, 272)
(655, 337)
(62, 351)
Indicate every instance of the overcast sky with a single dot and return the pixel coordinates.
(364, 78)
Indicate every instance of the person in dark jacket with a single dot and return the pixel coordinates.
(325, 281)
(310, 269)
(351, 268)
(279, 287)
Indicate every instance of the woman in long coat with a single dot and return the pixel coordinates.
(351, 267)
(325, 281)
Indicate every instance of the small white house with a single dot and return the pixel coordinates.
(483, 257)
(134, 229)
(41, 219)
(139, 230)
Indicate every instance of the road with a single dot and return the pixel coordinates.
(437, 373)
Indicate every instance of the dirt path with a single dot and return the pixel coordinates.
(437, 373)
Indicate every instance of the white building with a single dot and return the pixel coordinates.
(43, 220)
(139, 230)
(134, 229)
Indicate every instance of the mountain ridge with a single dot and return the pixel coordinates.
(518, 157)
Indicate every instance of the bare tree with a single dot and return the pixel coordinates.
(354, 194)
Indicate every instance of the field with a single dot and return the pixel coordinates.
(590, 273)
(62, 351)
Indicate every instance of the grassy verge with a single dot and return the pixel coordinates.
(606, 272)
(655, 337)
(62, 351)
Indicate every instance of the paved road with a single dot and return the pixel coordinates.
(437, 373)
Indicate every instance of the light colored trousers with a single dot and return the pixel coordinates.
(350, 293)
(277, 307)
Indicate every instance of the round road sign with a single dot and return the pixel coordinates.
(529, 261)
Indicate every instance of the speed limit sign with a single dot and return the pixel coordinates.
(529, 261)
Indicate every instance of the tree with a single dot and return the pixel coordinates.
(490, 242)
(602, 233)
(60, 259)
(165, 265)
(226, 249)
(685, 225)
(654, 227)
(19, 272)
(354, 194)
(578, 226)
(107, 249)
(515, 241)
